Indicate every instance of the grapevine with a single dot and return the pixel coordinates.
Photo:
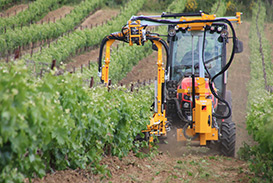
(35, 11)
(38, 32)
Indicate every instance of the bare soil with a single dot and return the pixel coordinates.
(13, 10)
(95, 19)
(160, 168)
(56, 14)
(99, 17)
(146, 69)
(238, 77)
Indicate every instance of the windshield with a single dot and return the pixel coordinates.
(190, 44)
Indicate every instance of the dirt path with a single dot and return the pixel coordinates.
(160, 168)
(13, 10)
(238, 77)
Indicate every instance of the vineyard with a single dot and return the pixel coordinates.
(60, 124)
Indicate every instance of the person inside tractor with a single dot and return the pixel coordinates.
(182, 68)
(187, 59)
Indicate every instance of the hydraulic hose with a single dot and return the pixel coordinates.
(218, 74)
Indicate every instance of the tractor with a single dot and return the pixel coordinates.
(190, 90)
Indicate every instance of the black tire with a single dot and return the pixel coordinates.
(228, 138)
(228, 131)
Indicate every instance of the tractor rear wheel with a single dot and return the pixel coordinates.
(228, 131)
(228, 138)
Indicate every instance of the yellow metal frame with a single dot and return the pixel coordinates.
(200, 26)
(157, 126)
(105, 67)
(139, 27)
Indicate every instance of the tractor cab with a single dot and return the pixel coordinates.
(187, 51)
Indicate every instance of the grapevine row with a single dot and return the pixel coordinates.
(38, 32)
(68, 44)
(35, 11)
(59, 122)
(260, 98)
(6, 2)
(63, 48)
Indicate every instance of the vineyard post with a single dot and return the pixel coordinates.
(109, 85)
(91, 82)
(132, 87)
(53, 64)
(41, 73)
(89, 64)
(81, 68)
(7, 59)
(74, 69)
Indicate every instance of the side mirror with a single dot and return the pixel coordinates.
(239, 47)
(154, 47)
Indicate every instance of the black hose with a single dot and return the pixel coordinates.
(218, 74)
(101, 52)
